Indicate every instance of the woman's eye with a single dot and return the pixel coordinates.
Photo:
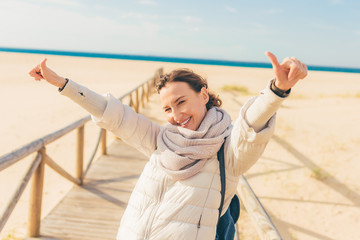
(167, 110)
(181, 102)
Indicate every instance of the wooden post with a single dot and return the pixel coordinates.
(150, 86)
(36, 198)
(146, 98)
(142, 96)
(147, 91)
(103, 142)
(137, 100)
(80, 154)
(153, 84)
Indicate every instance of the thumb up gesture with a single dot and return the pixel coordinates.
(41, 71)
(288, 72)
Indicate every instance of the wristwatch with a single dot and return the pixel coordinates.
(60, 89)
(278, 91)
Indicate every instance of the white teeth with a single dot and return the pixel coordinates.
(182, 124)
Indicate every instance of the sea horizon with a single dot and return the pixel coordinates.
(170, 59)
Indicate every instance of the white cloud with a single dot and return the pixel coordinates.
(191, 19)
(136, 15)
(195, 29)
(273, 11)
(118, 13)
(69, 3)
(148, 2)
(256, 28)
(336, 2)
(231, 9)
(150, 29)
(324, 27)
(132, 15)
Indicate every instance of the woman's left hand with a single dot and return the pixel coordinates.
(288, 73)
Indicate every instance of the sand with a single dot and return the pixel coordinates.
(306, 178)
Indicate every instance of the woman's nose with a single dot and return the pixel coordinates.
(177, 116)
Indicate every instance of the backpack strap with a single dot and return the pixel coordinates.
(220, 156)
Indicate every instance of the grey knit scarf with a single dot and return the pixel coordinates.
(184, 152)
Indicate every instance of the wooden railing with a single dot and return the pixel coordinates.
(36, 169)
(258, 215)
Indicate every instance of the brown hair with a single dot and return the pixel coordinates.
(195, 81)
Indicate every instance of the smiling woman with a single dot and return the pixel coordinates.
(185, 98)
(178, 193)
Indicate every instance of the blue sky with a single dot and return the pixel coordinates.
(318, 32)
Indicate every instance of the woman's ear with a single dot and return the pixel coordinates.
(205, 95)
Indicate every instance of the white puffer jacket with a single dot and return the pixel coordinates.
(161, 208)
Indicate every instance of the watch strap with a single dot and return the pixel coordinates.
(278, 91)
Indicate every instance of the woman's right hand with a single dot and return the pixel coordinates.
(41, 71)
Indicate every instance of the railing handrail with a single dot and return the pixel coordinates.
(258, 215)
(8, 159)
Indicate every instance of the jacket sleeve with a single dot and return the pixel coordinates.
(134, 129)
(247, 143)
(109, 113)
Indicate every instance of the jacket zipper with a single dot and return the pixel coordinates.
(199, 222)
(198, 227)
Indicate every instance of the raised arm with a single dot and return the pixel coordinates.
(287, 74)
(94, 103)
(107, 111)
(256, 122)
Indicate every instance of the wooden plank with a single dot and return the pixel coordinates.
(94, 210)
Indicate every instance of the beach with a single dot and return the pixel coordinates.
(307, 178)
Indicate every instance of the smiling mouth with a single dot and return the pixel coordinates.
(184, 123)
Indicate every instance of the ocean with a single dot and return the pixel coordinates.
(171, 59)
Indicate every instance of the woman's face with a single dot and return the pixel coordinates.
(182, 105)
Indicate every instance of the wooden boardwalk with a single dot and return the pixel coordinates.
(93, 210)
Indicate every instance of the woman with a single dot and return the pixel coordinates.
(178, 193)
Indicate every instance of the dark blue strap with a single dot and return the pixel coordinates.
(220, 156)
